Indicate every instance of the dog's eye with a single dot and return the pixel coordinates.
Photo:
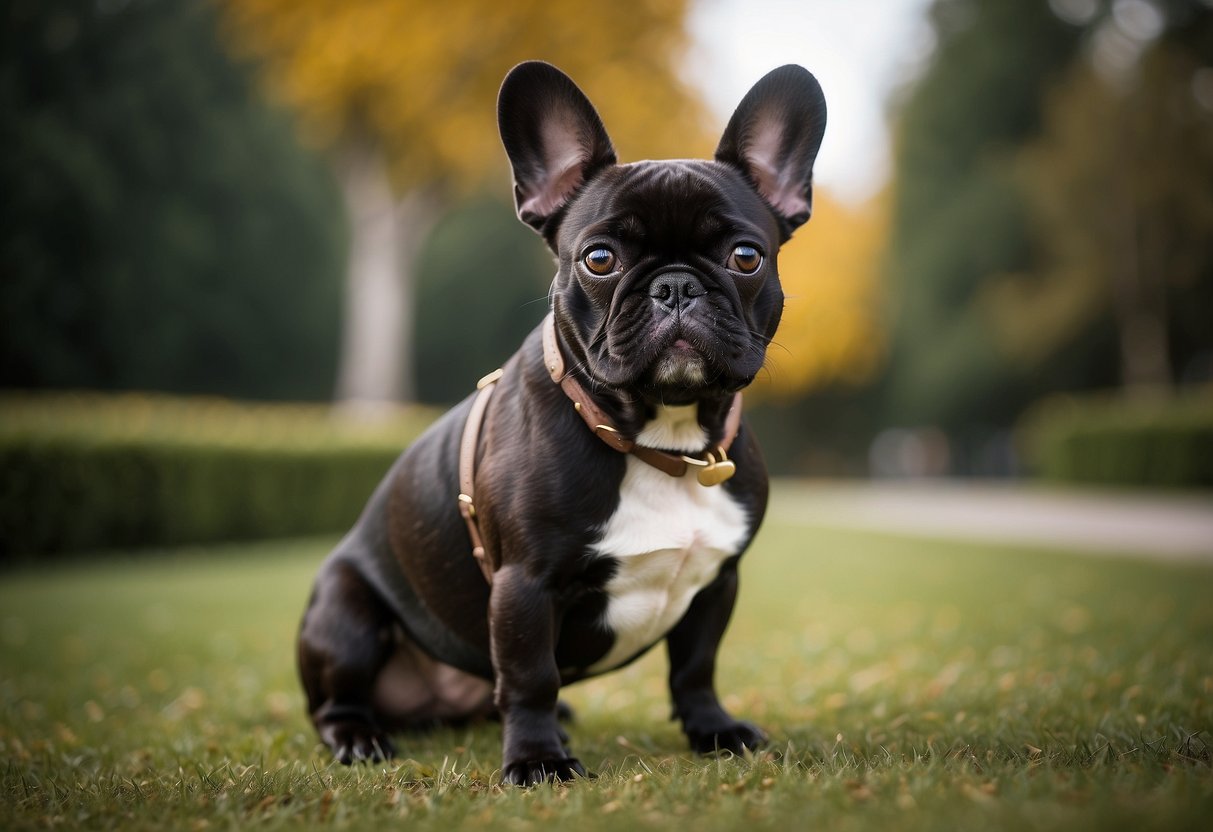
(745, 259)
(600, 261)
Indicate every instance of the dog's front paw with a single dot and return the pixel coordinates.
(353, 742)
(734, 736)
(530, 772)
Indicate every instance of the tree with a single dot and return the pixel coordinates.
(959, 218)
(1052, 213)
(474, 318)
(160, 227)
(1119, 184)
(402, 95)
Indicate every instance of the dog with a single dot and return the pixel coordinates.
(595, 496)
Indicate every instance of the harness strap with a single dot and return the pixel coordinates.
(715, 469)
(467, 470)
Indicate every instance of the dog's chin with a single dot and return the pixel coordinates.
(677, 374)
(683, 375)
(677, 378)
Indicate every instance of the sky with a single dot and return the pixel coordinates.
(860, 50)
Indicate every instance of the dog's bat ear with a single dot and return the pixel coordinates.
(773, 138)
(553, 136)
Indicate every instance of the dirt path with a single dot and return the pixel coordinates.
(1172, 527)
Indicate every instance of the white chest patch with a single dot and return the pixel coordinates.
(670, 536)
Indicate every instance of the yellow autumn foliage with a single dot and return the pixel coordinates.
(831, 332)
(420, 79)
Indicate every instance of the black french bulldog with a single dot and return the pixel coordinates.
(596, 540)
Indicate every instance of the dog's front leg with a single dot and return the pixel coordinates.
(692, 646)
(522, 626)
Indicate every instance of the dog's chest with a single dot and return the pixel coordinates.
(669, 537)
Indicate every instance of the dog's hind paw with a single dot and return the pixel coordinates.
(530, 772)
(736, 738)
(355, 742)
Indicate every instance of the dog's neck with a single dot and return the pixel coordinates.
(674, 428)
(684, 428)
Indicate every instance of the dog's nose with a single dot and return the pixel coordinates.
(676, 290)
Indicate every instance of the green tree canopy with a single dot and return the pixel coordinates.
(160, 226)
(958, 216)
(1120, 185)
(1053, 219)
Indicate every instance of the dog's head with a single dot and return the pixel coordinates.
(667, 284)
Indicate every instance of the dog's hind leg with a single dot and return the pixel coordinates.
(345, 640)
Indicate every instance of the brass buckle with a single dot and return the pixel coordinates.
(713, 471)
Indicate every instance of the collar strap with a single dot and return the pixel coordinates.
(714, 464)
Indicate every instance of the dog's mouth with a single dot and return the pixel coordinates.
(682, 360)
(680, 366)
(639, 349)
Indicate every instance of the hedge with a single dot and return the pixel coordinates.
(89, 471)
(1109, 440)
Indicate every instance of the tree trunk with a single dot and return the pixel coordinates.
(375, 366)
(1139, 297)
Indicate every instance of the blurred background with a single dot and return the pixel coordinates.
(212, 207)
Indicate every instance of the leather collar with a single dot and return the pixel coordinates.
(713, 463)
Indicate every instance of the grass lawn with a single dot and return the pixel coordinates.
(904, 683)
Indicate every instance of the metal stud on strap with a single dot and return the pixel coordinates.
(471, 507)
